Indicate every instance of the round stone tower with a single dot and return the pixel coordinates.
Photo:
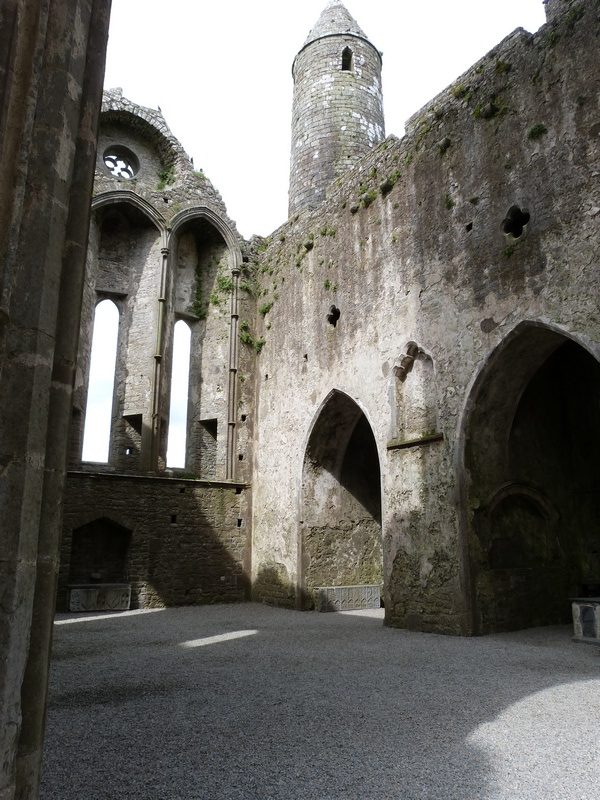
(337, 113)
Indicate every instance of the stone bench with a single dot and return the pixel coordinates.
(99, 597)
(586, 619)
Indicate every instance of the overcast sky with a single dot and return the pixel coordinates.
(221, 73)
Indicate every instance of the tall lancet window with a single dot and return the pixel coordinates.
(101, 386)
(347, 60)
(180, 379)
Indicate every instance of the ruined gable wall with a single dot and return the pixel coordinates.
(198, 286)
(189, 527)
(167, 178)
(410, 247)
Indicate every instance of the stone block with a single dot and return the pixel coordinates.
(100, 597)
(347, 598)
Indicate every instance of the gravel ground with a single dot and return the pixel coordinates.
(242, 702)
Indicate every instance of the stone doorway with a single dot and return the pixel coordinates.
(341, 542)
(533, 481)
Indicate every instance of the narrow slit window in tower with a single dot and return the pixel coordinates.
(347, 60)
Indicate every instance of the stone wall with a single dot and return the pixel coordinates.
(163, 250)
(188, 539)
(164, 165)
(424, 251)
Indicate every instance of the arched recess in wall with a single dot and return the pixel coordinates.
(125, 197)
(205, 259)
(341, 542)
(178, 403)
(414, 395)
(99, 553)
(100, 395)
(530, 480)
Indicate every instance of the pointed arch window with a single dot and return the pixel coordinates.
(101, 385)
(347, 60)
(178, 409)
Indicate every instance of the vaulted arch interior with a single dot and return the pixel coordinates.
(341, 500)
(534, 482)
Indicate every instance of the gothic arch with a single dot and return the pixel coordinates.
(101, 382)
(181, 221)
(526, 459)
(203, 212)
(179, 392)
(340, 541)
(124, 196)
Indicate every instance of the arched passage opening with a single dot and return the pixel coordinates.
(532, 481)
(341, 501)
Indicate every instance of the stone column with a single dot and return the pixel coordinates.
(51, 71)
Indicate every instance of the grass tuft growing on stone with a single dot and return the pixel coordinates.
(368, 197)
(166, 177)
(388, 184)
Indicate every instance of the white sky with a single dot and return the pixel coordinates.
(98, 410)
(221, 73)
(178, 407)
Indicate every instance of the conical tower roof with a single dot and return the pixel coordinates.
(335, 19)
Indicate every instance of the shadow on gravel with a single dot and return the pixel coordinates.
(324, 706)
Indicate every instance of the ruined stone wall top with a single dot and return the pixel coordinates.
(160, 171)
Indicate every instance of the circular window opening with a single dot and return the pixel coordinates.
(121, 162)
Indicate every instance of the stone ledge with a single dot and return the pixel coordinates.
(404, 444)
(80, 473)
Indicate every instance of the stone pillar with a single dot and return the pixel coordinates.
(51, 69)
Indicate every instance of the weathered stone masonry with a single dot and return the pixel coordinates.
(163, 250)
(456, 327)
(185, 544)
(381, 371)
(337, 112)
(380, 367)
(431, 332)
